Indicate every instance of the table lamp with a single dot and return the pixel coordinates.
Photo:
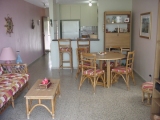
(7, 55)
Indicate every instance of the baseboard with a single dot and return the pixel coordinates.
(138, 75)
(35, 60)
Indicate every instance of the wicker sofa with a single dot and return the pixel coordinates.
(13, 79)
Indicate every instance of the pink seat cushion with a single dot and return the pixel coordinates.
(10, 83)
(67, 49)
(105, 64)
(91, 72)
(121, 69)
(147, 85)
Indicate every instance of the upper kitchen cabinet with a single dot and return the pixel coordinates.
(65, 13)
(89, 15)
(75, 12)
(117, 29)
(68, 12)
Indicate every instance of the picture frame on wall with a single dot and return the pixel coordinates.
(145, 25)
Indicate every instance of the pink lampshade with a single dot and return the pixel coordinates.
(7, 54)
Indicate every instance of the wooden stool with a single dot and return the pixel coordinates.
(65, 47)
(147, 88)
(83, 43)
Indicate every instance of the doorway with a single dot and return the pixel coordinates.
(46, 34)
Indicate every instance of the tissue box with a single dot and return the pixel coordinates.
(45, 86)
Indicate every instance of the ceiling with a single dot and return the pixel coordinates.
(45, 3)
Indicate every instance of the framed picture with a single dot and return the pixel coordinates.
(145, 25)
(126, 19)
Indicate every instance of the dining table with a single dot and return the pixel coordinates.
(108, 57)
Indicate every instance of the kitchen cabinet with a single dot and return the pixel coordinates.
(75, 12)
(65, 13)
(87, 15)
(117, 29)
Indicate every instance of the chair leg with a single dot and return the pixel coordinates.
(12, 99)
(133, 78)
(143, 96)
(81, 81)
(78, 71)
(71, 62)
(94, 84)
(104, 80)
(111, 78)
(126, 80)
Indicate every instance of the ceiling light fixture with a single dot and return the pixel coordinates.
(90, 3)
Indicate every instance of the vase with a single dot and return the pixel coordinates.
(18, 60)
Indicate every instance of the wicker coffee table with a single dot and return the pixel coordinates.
(37, 93)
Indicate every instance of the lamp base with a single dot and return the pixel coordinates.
(8, 67)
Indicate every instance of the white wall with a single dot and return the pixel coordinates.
(47, 12)
(144, 48)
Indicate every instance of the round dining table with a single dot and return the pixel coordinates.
(109, 56)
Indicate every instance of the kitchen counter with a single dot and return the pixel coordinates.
(91, 39)
(95, 46)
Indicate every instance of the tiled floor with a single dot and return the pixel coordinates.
(114, 103)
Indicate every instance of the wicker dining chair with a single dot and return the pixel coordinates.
(124, 71)
(90, 72)
(79, 51)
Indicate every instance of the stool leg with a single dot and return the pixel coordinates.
(71, 62)
(60, 60)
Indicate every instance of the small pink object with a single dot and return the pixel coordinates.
(46, 81)
(43, 82)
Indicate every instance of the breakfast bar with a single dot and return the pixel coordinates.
(95, 46)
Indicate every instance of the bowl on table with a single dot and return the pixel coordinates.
(102, 53)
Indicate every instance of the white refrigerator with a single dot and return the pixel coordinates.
(70, 29)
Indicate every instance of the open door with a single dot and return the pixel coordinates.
(46, 34)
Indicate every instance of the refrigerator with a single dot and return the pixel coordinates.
(70, 29)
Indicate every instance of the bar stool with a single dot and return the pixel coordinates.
(65, 47)
(83, 43)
